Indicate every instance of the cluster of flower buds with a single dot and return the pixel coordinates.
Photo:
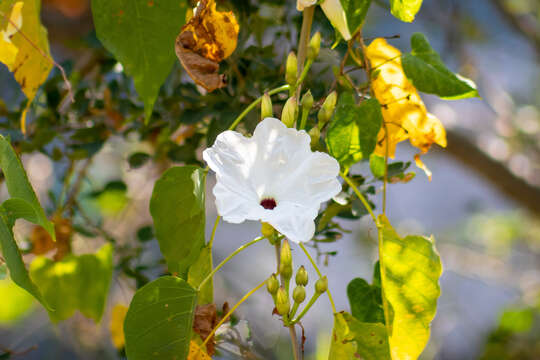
(280, 289)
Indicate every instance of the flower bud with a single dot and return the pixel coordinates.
(286, 256)
(299, 294)
(321, 285)
(314, 46)
(272, 284)
(315, 135)
(290, 112)
(336, 15)
(283, 304)
(307, 101)
(301, 276)
(267, 230)
(327, 109)
(291, 69)
(266, 107)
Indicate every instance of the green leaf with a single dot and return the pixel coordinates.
(177, 207)
(16, 303)
(405, 10)
(75, 283)
(12, 256)
(353, 339)
(19, 187)
(424, 67)
(366, 300)
(141, 35)
(352, 134)
(410, 271)
(159, 320)
(198, 272)
(356, 11)
(3, 271)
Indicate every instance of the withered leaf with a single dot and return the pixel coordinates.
(204, 322)
(209, 37)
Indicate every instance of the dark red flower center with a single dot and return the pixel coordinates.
(268, 203)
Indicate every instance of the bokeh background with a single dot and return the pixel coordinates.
(483, 204)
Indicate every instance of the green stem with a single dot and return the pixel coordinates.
(360, 195)
(255, 103)
(211, 242)
(226, 260)
(320, 276)
(308, 306)
(307, 21)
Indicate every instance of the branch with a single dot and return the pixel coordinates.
(495, 172)
(527, 29)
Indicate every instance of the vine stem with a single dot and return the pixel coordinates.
(360, 196)
(251, 292)
(305, 32)
(211, 242)
(226, 260)
(320, 276)
(255, 103)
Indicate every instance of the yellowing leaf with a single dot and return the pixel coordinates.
(209, 37)
(405, 115)
(8, 50)
(196, 352)
(116, 325)
(33, 61)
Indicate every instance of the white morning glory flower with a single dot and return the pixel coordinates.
(272, 176)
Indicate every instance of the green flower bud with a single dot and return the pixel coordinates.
(272, 284)
(330, 102)
(314, 134)
(267, 230)
(286, 256)
(291, 69)
(285, 271)
(321, 285)
(283, 304)
(266, 106)
(314, 46)
(301, 276)
(307, 101)
(290, 112)
(299, 294)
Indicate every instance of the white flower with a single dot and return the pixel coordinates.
(335, 13)
(273, 177)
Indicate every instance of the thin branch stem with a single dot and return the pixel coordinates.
(305, 32)
(226, 317)
(307, 307)
(294, 340)
(360, 195)
(386, 153)
(255, 103)
(320, 276)
(226, 260)
(211, 242)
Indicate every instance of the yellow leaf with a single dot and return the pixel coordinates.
(33, 61)
(116, 325)
(405, 115)
(209, 37)
(196, 352)
(8, 51)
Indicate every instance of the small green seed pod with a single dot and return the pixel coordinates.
(321, 285)
(291, 69)
(283, 304)
(299, 294)
(272, 284)
(301, 276)
(266, 107)
(290, 112)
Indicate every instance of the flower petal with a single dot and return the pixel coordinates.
(294, 221)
